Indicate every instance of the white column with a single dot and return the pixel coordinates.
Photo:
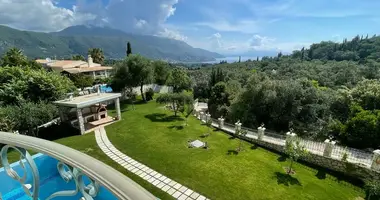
(329, 145)
(117, 106)
(208, 117)
(201, 114)
(61, 114)
(221, 122)
(93, 73)
(237, 127)
(376, 160)
(80, 121)
(261, 132)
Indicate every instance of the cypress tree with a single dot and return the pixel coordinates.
(129, 49)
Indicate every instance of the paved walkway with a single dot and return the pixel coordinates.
(162, 182)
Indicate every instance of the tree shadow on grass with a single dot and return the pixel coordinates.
(180, 127)
(282, 158)
(321, 174)
(160, 117)
(254, 147)
(232, 152)
(286, 179)
(232, 138)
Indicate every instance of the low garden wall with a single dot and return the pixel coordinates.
(357, 164)
(350, 169)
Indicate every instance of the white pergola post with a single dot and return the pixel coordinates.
(80, 121)
(376, 160)
(208, 117)
(201, 114)
(117, 106)
(61, 114)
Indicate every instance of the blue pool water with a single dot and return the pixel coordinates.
(105, 89)
(50, 182)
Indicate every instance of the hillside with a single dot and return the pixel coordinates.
(78, 39)
(360, 48)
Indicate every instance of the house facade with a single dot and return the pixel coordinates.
(77, 66)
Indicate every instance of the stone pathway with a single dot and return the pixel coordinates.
(162, 182)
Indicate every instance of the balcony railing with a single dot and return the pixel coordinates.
(90, 175)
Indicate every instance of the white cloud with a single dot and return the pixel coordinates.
(40, 15)
(138, 16)
(260, 42)
(173, 34)
(243, 26)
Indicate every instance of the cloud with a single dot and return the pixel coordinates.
(173, 34)
(40, 15)
(243, 26)
(137, 16)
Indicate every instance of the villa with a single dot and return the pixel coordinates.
(77, 66)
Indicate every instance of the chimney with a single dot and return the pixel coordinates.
(90, 62)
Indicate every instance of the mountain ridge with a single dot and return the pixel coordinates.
(78, 39)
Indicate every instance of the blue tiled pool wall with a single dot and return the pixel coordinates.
(50, 181)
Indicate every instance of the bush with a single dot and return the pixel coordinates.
(149, 94)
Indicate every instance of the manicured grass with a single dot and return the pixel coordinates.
(152, 136)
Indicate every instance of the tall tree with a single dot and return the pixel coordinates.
(14, 57)
(140, 72)
(302, 53)
(97, 55)
(129, 49)
(179, 80)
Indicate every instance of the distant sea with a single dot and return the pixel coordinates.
(231, 59)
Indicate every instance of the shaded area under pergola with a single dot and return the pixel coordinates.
(90, 110)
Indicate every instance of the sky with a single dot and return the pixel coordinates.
(229, 27)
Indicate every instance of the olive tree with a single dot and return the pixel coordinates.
(177, 101)
(295, 150)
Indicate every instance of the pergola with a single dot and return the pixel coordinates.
(86, 101)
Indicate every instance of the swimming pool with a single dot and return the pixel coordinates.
(50, 182)
(105, 89)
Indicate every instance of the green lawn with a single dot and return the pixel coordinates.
(152, 136)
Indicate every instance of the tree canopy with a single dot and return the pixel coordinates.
(23, 83)
(97, 55)
(179, 80)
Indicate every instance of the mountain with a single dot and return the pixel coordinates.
(78, 39)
